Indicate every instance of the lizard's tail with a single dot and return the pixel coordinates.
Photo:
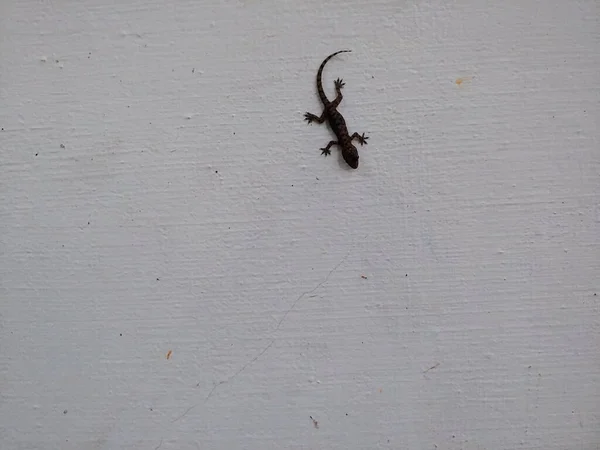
(322, 95)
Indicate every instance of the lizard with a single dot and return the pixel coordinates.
(336, 120)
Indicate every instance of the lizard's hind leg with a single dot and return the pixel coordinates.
(339, 84)
(310, 118)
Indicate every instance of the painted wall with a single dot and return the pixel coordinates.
(182, 269)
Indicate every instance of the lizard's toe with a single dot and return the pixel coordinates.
(325, 151)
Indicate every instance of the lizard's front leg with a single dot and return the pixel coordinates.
(310, 118)
(325, 151)
(362, 139)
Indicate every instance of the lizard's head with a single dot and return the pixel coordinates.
(351, 156)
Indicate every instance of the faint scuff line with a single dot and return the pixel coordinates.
(159, 445)
(264, 350)
(187, 411)
(432, 367)
(243, 367)
(312, 290)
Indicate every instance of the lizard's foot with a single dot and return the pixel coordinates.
(361, 139)
(325, 151)
(339, 84)
(309, 117)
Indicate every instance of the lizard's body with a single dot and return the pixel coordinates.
(336, 120)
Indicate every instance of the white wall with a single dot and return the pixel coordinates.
(161, 193)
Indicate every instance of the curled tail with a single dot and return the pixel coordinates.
(322, 95)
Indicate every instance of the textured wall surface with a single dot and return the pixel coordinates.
(181, 268)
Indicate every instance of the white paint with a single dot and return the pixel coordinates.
(441, 296)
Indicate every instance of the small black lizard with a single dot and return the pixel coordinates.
(336, 120)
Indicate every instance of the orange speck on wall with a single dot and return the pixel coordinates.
(461, 80)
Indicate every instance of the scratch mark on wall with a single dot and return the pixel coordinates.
(312, 290)
(268, 346)
(431, 368)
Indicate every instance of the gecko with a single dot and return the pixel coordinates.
(336, 120)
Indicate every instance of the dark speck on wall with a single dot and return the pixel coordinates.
(62, 145)
(65, 411)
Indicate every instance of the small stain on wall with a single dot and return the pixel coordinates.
(461, 80)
